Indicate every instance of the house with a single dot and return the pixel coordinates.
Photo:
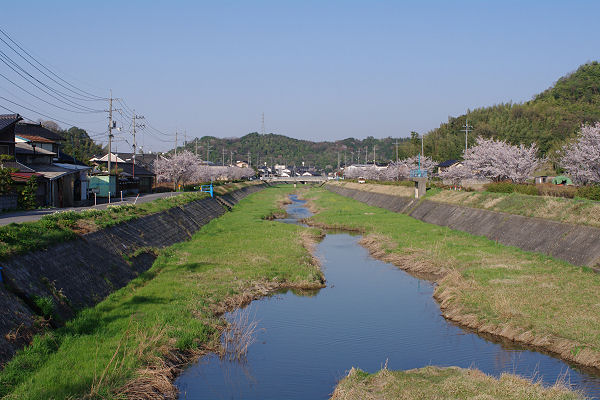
(448, 164)
(38, 136)
(241, 164)
(61, 184)
(145, 160)
(133, 178)
(7, 133)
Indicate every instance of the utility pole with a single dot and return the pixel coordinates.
(223, 157)
(175, 142)
(262, 126)
(208, 146)
(366, 150)
(345, 159)
(338, 161)
(249, 161)
(110, 135)
(184, 138)
(230, 157)
(466, 131)
(396, 151)
(374, 146)
(134, 143)
(196, 147)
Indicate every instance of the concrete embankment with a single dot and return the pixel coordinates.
(578, 245)
(69, 276)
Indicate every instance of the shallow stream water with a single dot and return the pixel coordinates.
(370, 314)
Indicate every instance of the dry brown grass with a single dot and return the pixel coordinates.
(445, 383)
(239, 335)
(579, 212)
(393, 190)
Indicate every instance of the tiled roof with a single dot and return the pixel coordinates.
(37, 139)
(8, 119)
(447, 163)
(25, 128)
(16, 165)
(23, 176)
(51, 171)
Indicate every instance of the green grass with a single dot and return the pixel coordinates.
(171, 306)
(444, 383)
(500, 285)
(62, 226)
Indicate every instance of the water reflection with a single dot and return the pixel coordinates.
(369, 313)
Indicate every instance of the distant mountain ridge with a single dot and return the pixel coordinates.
(279, 149)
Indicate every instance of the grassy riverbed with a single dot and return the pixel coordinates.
(443, 383)
(525, 297)
(132, 342)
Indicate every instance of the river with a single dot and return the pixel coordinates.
(371, 313)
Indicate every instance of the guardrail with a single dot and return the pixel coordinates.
(207, 189)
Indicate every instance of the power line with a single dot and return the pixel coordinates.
(95, 98)
(41, 99)
(4, 58)
(36, 112)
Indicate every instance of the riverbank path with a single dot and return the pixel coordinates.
(34, 215)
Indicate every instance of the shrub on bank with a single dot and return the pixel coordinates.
(586, 192)
(509, 187)
(591, 192)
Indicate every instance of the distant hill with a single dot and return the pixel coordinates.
(272, 148)
(548, 119)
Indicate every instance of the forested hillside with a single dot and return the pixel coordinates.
(272, 148)
(548, 120)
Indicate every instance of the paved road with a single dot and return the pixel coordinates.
(34, 215)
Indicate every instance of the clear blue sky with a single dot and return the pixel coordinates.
(319, 70)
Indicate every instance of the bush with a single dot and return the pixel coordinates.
(591, 192)
(509, 187)
(500, 187)
(27, 197)
(6, 181)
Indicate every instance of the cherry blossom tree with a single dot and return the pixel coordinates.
(372, 173)
(395, 171)
(457, 173)
(179, 168)
(427, 164)
(581, 158)
(498, 160)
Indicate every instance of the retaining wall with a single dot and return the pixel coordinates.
(579, 245)
(82, 272)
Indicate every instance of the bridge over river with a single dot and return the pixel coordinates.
(295, 179)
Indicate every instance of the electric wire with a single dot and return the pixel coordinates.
(6, 60)
(92, 96)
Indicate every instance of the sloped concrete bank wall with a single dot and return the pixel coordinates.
(80, 273)
(579, 245)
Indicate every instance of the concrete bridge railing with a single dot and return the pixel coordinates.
(295, 179)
